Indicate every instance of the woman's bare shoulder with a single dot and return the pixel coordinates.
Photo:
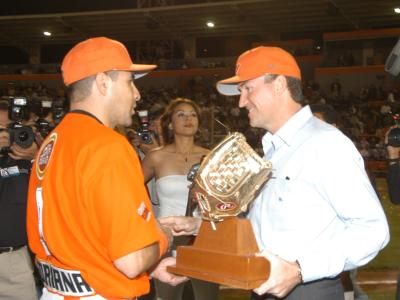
(201, 150)
(156, 153)
(163, 150)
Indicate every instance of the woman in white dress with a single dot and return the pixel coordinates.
(169, 165)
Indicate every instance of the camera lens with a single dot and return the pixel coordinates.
(23, 136)
(394, 137)
(146, 137)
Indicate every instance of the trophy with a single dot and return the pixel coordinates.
(228, 179)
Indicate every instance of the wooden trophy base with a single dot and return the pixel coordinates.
(225, 256)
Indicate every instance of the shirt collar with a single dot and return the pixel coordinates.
(84, 112)
(287, 132)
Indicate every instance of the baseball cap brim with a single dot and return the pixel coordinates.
(141, 70)
(230, 86)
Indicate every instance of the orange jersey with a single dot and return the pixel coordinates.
(94, 205)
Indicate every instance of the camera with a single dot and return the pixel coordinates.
(146, 135)
(394, 133)
(58, 110)
(43, 126)
(20, 134)
(18, 109)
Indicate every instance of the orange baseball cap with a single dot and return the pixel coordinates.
(258, 62)
(97, 55)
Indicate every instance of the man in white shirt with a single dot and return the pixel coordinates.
(318, 215)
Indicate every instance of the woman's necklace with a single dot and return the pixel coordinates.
(186, 155)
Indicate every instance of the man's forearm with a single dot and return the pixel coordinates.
(138, 262)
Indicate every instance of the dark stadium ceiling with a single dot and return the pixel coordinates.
(22, 22)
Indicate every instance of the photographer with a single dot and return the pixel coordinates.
(16, 271)
(147, 135)
(393, 175)
(47, 115)
(41, 116)
(144, 139)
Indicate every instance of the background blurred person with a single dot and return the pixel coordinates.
(16, 270)
(393, 181)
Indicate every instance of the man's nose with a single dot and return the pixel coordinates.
(136, 93)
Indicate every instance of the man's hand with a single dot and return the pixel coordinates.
(160, 272)
(283, 278)
(137, 142)
(18, 152)
(181, 225)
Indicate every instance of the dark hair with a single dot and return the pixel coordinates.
(328, 112)
(81, 89)
(293, 84)
(4, 105)
(166, 118)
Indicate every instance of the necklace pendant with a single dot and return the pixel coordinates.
(185, 158)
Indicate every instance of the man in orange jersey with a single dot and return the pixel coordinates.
(90, 222)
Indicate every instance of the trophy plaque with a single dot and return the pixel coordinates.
(228, 179)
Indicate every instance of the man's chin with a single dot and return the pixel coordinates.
(252, 122)
(128, 122)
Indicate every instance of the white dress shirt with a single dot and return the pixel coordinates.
(319, 206)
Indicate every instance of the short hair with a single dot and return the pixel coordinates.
(166, 118)
(81, 89)
(293, 85)
(328, 113)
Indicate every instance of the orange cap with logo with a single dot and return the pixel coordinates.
(258, 62)
(97, 55)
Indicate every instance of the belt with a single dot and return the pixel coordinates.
(10, 249)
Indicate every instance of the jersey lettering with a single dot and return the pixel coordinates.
(64, 282)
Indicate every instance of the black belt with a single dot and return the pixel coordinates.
(9, 249)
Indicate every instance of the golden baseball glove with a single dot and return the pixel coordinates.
(229, 178)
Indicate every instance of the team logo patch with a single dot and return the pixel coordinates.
(226, 206)
(45, 154)
(144, 212)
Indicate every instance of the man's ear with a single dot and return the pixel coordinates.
(280, 84)
(102, 83)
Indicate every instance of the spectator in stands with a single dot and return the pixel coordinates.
(325, 112)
